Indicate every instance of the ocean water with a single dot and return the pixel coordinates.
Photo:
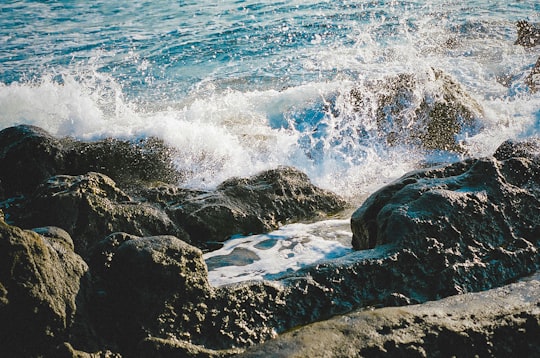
(243, 86)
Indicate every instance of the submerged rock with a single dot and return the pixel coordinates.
(431, 111)
(527, 34)
(497, 323)
(41, 280)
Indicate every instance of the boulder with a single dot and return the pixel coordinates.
(496, 323)
(430, 110)
(29, 155)
(527, 34)
(253, 205)
(153, 287)
(90, 207)
(41, 284)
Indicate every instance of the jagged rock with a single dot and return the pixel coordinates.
(29, 155)
(40, 283)
(490, 202)
(533, 79)
(497, 323)
(154, 287)
(528, 35)
(254, 205)
(90, 207)
(431, 110)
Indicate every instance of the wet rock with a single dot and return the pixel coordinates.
(527, 34)
(41, 280)
(533, 79)
(496, 323)
(29, 155)
(490, 202)
(431, 110)
(254, 205)
(468, 226)
(90, 207)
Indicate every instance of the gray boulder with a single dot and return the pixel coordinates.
(431, 111)
(41, 285)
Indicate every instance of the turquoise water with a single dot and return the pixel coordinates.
(242, 86)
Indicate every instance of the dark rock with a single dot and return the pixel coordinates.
(497, 323)
(431, 111)
(529, 148)
(475, 202)
(155, 286)
(172, 348)
(40, 283)
(128, 163)
(90, 207)
(528, 35)
(533, 79)
(29, 155)
(254, 205)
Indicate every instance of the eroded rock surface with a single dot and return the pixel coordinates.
(90, 207)
(40, 282)
(497, 323)
(29, 155)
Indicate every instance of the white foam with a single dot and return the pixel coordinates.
(285, 250)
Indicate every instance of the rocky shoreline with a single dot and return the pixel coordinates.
(90, 264)
(101, 248)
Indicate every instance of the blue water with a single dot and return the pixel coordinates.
(242, 86)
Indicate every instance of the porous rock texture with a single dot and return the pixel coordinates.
(503, 322)
(476, 221)
(40, 280)
(257, 204)
(90, 207)
(464, 227)
(527, 34)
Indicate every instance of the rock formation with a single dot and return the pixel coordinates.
(140, 288)
(497, 323)
(527, 34)
(29, 155)
(431, 111)
(40, 282)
